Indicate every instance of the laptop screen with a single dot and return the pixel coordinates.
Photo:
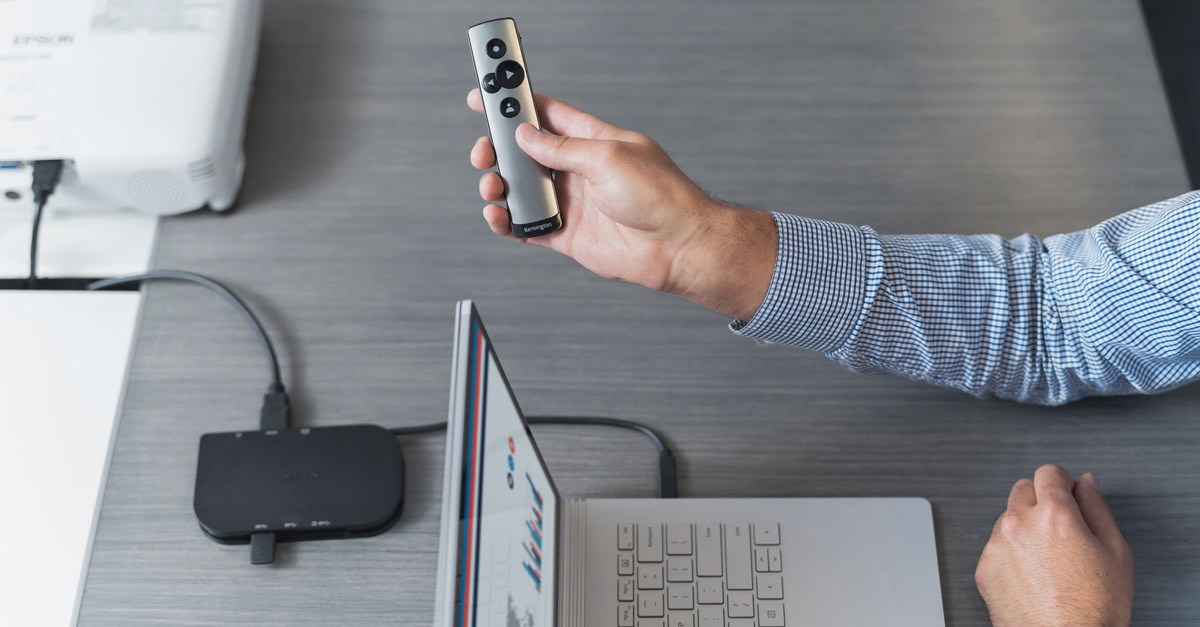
(504, 536)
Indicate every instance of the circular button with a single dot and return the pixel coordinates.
(489, 84)
(496, 49)
(510, 74)
(509, 107)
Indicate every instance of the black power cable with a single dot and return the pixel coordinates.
(276, 410)
(432, 427)
(46, 175)
(668, 482)
(224, 292)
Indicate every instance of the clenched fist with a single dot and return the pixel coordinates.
(1056, 557)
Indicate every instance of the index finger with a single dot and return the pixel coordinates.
(1022, 495)
(475, 100)
(1052, 483)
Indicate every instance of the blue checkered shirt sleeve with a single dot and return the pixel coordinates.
(1114, 309)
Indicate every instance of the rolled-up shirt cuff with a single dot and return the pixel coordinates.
(817, 289)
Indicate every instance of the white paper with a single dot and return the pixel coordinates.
(62, 373)
(63, 363)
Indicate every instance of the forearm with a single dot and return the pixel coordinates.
(1111, 310)
(967, 312)
(949, 310)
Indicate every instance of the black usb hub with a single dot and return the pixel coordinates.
(298, 484)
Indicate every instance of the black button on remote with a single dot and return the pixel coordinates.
(496, 48)
(509, 107)
(489, 84)
(510, 74)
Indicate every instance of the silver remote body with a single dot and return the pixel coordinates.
(507, 103)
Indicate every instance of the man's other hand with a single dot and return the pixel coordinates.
(1056, 557)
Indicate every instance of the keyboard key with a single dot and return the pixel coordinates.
(625, 589)
(708, 550)
(679, 569)
(761, 564)
(741, 605)
(650, 543)
(679, 539)
(770, 586)
(770, 614)
(650, 577)
(766, 533)
(711, 591)
(737, 557)
(625, 615)
(679, 597)
(711, 616)
(734, 580)
(624, 536)
(650, 605)
(681, 620)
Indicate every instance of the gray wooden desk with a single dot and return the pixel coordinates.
(359, 227)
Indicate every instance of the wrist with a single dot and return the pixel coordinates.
(726, 263)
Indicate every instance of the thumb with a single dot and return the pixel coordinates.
(1096, 513)
(559, 152)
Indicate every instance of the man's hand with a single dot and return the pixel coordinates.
(1056, 557)
(630, 213)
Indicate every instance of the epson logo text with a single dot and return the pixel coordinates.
(53, 39)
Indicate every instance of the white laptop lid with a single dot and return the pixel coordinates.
(498, 549)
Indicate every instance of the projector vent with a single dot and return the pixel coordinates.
(158, 191)
(202, 170)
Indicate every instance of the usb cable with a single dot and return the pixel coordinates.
(668, 481)
(46, 176)
(276, 410)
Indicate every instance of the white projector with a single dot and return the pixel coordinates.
(144, 99)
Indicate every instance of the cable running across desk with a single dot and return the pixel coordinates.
(224, 292)
(668, 482)
(276, 410)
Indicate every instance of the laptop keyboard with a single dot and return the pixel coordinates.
(699, 575)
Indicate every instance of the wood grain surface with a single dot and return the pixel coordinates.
(359, 227)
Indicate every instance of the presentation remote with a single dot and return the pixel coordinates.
(507, 103)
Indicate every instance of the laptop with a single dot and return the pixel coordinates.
(514, 553)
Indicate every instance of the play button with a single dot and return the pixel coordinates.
(496, 48)
(489, 84)
(509, 107)
(510, 74)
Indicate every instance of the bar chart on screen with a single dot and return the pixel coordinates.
(512, 572)
(533, 544)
